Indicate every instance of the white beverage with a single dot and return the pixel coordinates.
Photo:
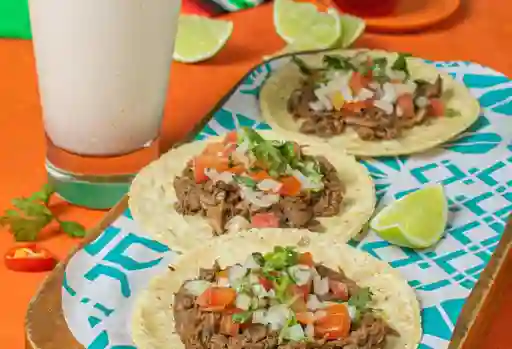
(103, 69)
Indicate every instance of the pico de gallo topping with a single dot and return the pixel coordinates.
(375, 96)
(247, 181)
(281, 299)
(29, 258)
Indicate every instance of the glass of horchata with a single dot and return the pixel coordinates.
(103, 71)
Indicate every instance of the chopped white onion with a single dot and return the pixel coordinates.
(259, 199)
(373, 85)
(352, 311)
(197, 287)
(253, 279)
(301, 274)
(305, 182)
(223, 282)
(226, 177)
(313, 302)
(322, 94)
(364, 94)
(389, 93)
(317, 106)
(320, 285)
(387, 107)
(396, 74)
(260, 317)
(277, 316)
(269, 185)
(421, 102)
(310, 331)
(237, 223)
(243, 301)
(271, 293)
(259, 290)
(236, 273)
(399, 112)
(294, 333)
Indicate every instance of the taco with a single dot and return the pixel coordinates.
(272, 290)
(209, 188)
(370, 103)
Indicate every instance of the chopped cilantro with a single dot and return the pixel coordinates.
(361, 299)
(401, 63)
(450, 113)
(281, 258)
(242, 317)
(304, 69)
(245, 181)
(258, 258)
(338, 63)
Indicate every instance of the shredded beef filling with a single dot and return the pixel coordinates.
(200, 329)
(370, 123)
(219, 202)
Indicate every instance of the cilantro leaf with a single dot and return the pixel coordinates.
(361, 299)
(32, 214)
(245, 181)
(242, 317)
(401, 63)
(304, 69)
(338, 63)
(73, 229)
(281, 258)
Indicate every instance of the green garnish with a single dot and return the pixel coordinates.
(450, 113)
(304, 69)
(242, 317)
(258, 258)
(282, 284)
(245, 181)
(379, 70)
(338, 63)
(30, 215)
(281, 258)
(361, 299)
(401, 63)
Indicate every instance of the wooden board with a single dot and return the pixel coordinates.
(46, 328)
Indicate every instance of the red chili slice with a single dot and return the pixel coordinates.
(29, 258)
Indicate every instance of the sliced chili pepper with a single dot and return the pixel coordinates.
(29, 258)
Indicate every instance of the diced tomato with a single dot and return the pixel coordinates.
(216, 298)
(216, 149)
(266, 283)
(306, 258)
(339, 289)
(29, 258)
(436, 107)
(202, 162)
(357, 106)
(231, 138)
(228, 327)
(237, 169)
(358, 82)
(291, 186)
(406, 104)
(336, 308)
(265, 220)
(334, 325)
(305, 318)
(260, 175)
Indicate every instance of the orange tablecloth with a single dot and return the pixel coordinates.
(480, 32)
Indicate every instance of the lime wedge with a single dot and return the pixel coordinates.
(417, 220)
(301, 21)
(200, 38)
(351, 29)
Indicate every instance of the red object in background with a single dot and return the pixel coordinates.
(367, 8)
(29, 258)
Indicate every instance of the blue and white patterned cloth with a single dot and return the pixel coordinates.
(475, 169)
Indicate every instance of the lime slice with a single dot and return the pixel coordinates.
(417, 220)
(200, 38)
(351, 28)
(301, 21)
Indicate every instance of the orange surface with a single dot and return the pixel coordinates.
(480, 32)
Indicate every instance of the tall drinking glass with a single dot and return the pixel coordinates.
(103, 70)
